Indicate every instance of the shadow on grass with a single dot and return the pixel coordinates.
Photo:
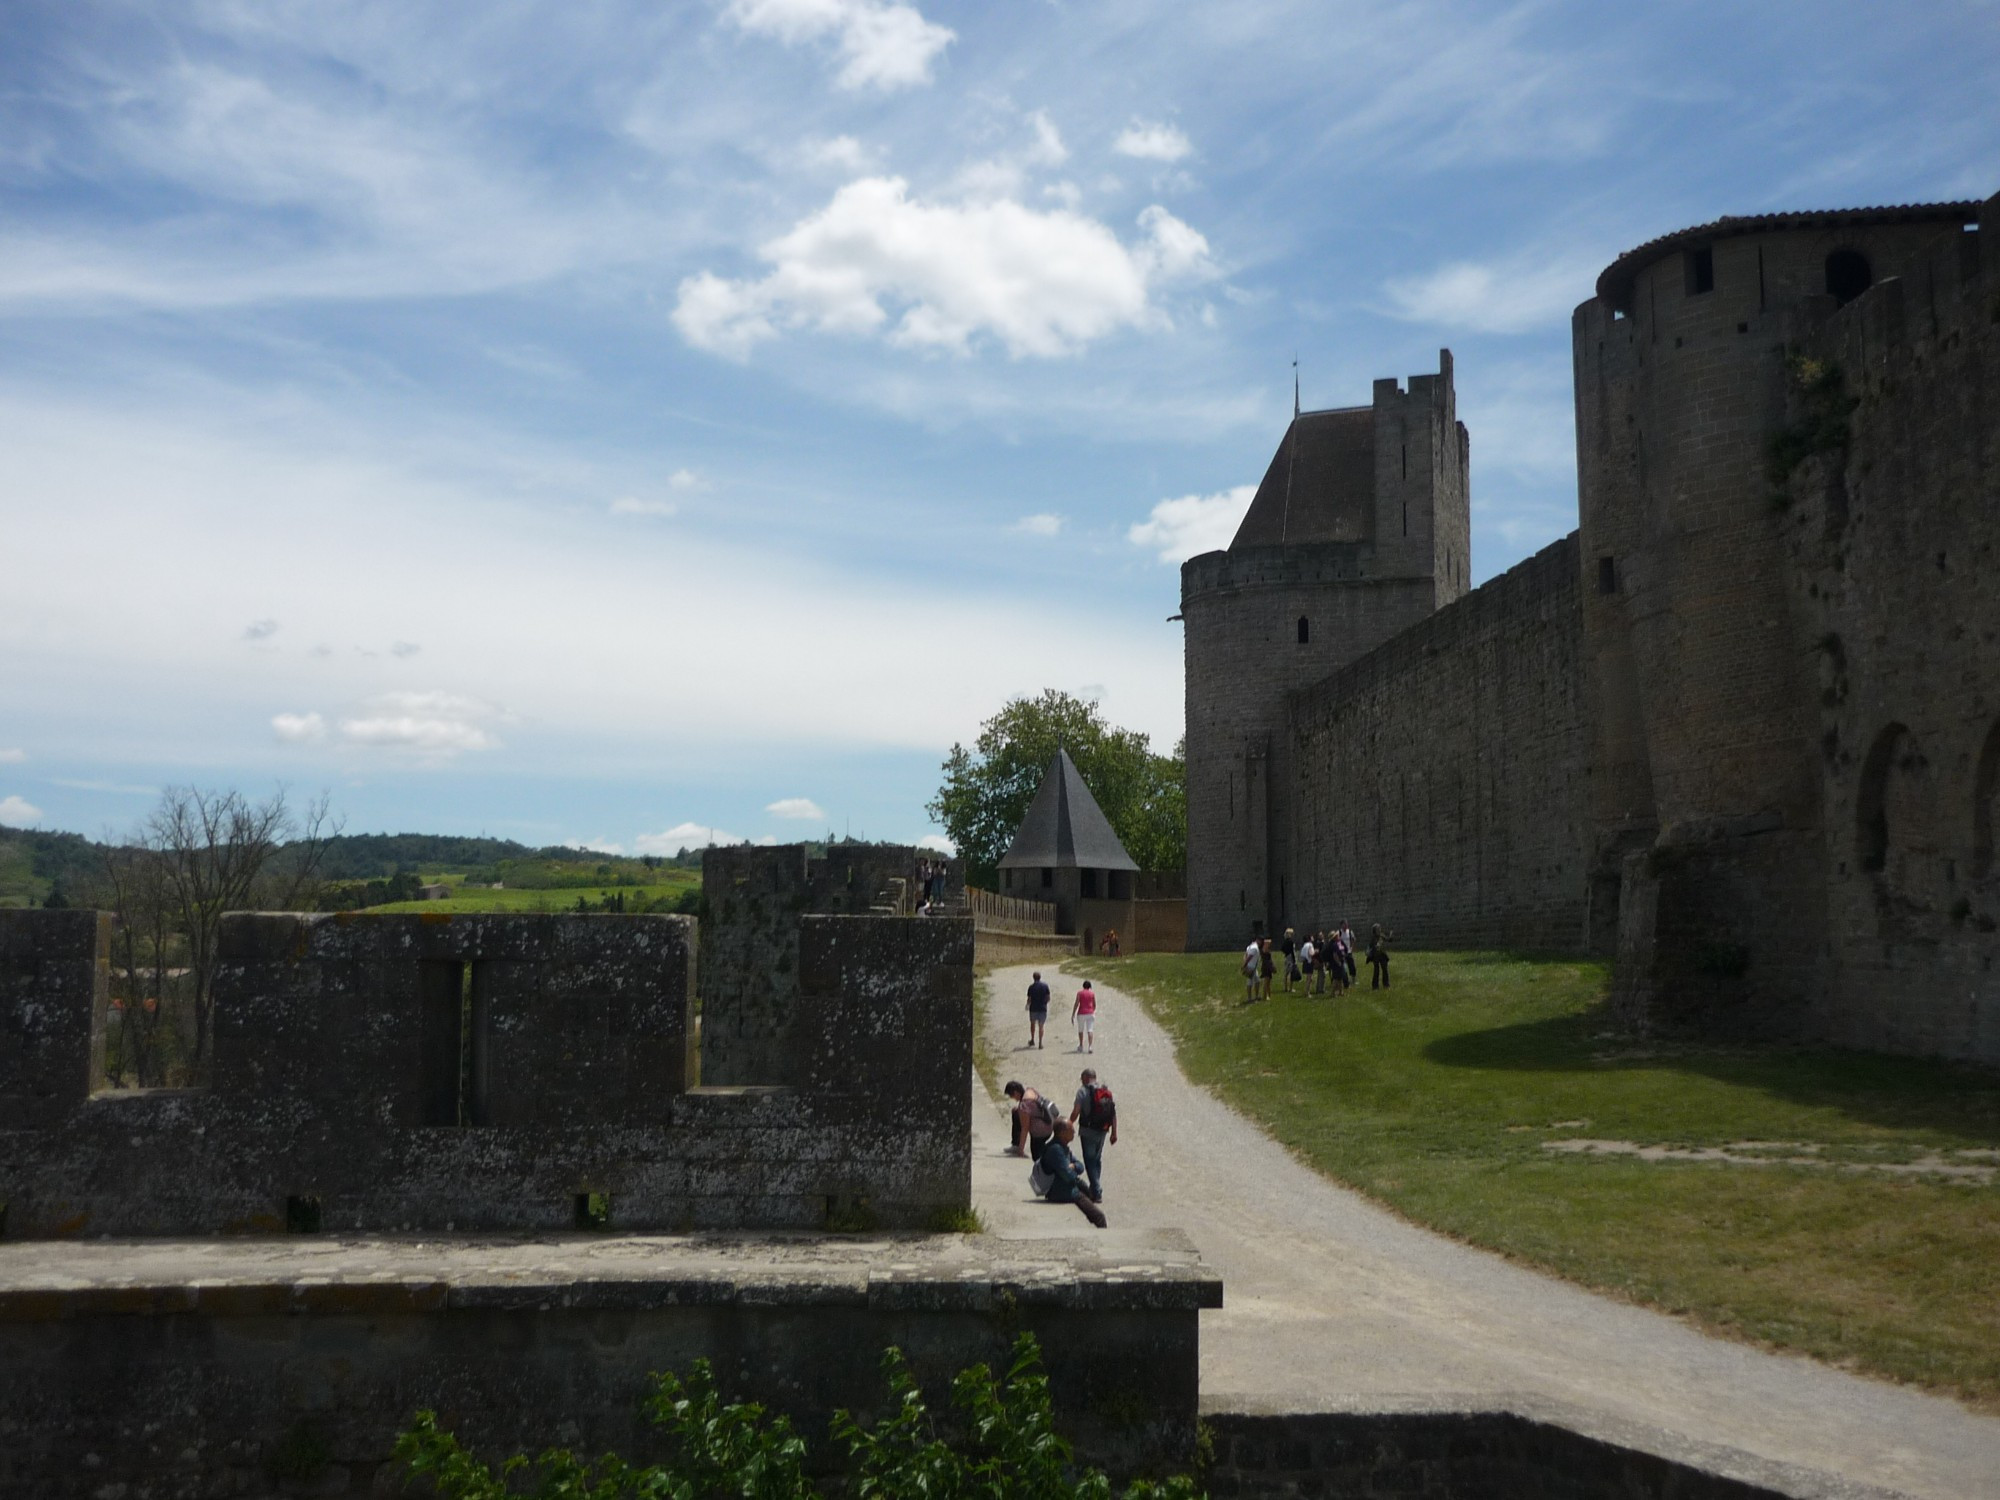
(1903, 1093)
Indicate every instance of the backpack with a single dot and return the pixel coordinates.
(1102, 1112)
(1042, 1120)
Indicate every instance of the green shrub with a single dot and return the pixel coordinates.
(1005, 1447)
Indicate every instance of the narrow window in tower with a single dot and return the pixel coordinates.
(1406, 460)
(1303, 630)
(1607, 575)
(1700, 271)
(1406, 518)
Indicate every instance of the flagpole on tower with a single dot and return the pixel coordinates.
(1295, 387)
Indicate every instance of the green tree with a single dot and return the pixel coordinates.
(987, 789)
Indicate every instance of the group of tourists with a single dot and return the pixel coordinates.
(1082, 1014)
(1043, 1133)
(1323, 961)
(933, 879)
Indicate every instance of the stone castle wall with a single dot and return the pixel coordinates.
(1902, 530)
(484, 1072)
(1439, 781)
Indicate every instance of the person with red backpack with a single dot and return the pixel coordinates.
(1095, 1115)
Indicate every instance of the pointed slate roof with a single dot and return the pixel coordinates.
(1320, 486)
(1065, 827)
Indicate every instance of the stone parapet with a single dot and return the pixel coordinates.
(263, 1362)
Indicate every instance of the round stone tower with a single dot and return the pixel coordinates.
(1709, 861)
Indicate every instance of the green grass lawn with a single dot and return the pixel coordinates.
(1437, 1097)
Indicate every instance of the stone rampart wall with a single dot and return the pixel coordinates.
(1440, 780)
(435, 1072)
(1894, 547)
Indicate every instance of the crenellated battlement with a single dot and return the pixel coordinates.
(376, 1072)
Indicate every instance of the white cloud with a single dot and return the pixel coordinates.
(1048, 150)
(12, 757)
(299, 729)
(1179, 529)
(683, 836)
(938, 842)
(18, 812)
(601, 845)
(841, 151)
(686, 479)
(1515, 295)
(404, 649)
(1152, 141)
(883, 45)
(1042, 524)
(936, 275)
(260, 630)
(633, 505)
(432, 725)
(802, 808)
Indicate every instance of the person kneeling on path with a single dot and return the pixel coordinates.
(1034, 1120)
(1058, 1169)
(1095, 1115)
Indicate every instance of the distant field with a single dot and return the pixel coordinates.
(668, 887)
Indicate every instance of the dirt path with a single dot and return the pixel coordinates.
(1333, 1302)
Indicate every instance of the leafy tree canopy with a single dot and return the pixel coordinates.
(986, 790)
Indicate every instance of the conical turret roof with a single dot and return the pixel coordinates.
(1065, 826)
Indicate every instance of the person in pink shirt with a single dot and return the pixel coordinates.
(1084, 1014)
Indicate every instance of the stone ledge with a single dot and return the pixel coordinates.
(42, 1281)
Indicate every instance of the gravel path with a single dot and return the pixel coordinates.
(1333, 1302)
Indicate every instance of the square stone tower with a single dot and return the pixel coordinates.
(1361, 527)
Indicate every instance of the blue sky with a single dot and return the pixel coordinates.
(599, 422)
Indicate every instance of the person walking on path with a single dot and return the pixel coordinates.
(1252, 968)
(1065, 1178)
(1038, 1011)
(1309, 961)
(1084, 1014)
(1095, 1116)
(1378, 957)
(1290, 948)
(1267, 968)
(1034, 1120)
(1347, 953)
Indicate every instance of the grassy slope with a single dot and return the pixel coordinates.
(1436, 1098)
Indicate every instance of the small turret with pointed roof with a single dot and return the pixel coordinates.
(1065, 828)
